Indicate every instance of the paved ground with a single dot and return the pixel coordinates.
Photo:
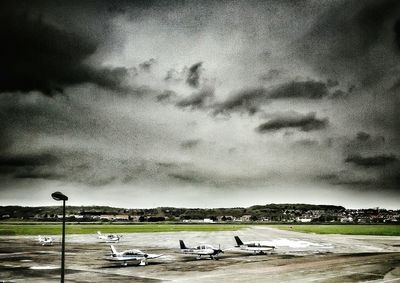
(298, 258)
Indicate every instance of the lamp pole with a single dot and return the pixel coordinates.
(60, 196)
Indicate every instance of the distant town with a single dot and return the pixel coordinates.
(270, 213)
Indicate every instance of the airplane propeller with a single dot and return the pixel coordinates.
(219, 249)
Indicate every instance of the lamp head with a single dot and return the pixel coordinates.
(59, 196)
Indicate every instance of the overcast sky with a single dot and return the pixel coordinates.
(200, 103)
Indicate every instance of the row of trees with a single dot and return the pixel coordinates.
(274, 212)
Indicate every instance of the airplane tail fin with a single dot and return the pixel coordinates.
(182, 244)
(238, 241)
(113, 250)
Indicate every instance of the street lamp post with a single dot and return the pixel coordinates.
(60, 196)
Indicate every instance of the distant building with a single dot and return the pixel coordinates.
(348, 219)
(114, 217)
(303, 219)
(205, 220)
(245, 218)
(134, 218)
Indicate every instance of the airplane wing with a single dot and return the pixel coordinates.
(258, 249)
(151, 256)
(205, 252)
(125, 258)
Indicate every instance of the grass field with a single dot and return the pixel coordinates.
(73, 228)
(55, 229)
(382, 230)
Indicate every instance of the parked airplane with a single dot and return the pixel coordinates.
(206, 250)
(45, 241)
(110, 238)
(255, 247)
(135, 256)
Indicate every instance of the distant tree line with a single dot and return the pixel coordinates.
(274, 212)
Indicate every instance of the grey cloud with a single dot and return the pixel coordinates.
(304, 123)
(27, 160)
(244, 101)
(302, 89)
(271, 75)
(91, 168)
(353, 40)
(397, 32)
(173, 75)
(193, 76)
(189, 144)
(387, 179)
(347, 179)
(371, 161)
(33, 165)
(147, 65)
(331, 83)
(306, 143)
(44, 116)
(363, 136)
(188, 177)
(364, 141)
(166, 96)
(39, 55)
(199, 99)
(249, 100)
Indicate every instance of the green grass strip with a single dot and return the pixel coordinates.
(55, 229)
(379, 229)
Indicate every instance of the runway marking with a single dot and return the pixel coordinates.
(46, 267)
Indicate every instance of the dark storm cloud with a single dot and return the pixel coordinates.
(303, 89)
(27, 160)
(363, 136)
(249, 100)
(397, 32)
(199, 99)
(43, 116)
(27, 165)
(80, 166)
(38, 55)
(353, 39)
(304, 123)
(244, 101)
(348, 179)
(193, 76)
(371, 161)
(364, 141)
(388, 179)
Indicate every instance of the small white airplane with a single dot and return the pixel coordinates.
(135, 256)
(110, 238)
(45, 241)
(255, 247)
(202, 250)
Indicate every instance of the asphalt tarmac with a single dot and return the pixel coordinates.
(298, 257)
